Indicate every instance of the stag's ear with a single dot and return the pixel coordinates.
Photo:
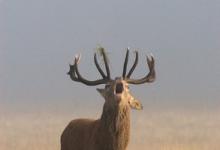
(135, 104)
(101, 91)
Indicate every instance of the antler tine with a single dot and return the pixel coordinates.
(72, 74)
(134, 65)
(125, 64)
(106, 63)
(150, 77)
(98, 67)
(76, 76)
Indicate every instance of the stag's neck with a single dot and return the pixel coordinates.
(115, 122)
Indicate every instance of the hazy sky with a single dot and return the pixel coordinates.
(38, 39)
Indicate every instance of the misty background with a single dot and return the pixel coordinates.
(38, 40)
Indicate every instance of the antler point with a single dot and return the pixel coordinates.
(150, 58)
(77, 58)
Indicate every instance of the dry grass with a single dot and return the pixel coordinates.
(150, 130)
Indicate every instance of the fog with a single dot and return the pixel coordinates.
(38, 40)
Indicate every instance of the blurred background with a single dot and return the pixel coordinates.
(40, 38)
(38, 41)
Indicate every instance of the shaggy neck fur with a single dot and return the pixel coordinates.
(115, 122)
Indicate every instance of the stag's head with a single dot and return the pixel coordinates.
(116, 91)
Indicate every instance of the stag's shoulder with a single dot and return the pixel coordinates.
(78, 128)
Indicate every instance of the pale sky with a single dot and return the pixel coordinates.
(38, 39)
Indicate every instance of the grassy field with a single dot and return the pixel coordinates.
(150, 130)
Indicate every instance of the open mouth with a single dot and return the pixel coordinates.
(119, 88)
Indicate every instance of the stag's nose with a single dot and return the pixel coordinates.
(119, 88)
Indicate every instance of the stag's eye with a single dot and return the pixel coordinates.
(119, 88)
(107, 86)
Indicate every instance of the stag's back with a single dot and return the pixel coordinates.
(77, 135)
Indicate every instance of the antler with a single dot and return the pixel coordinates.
(126, 63)
(150, 77)
(76, 76)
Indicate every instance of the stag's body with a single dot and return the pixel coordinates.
(112, 130)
